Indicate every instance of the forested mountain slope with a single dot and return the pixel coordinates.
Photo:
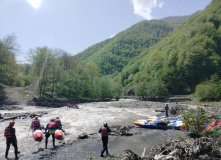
(113, 54)
(183, 59)
(175, 20)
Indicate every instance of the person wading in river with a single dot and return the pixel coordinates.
(104, 136)
(35, 124)
(11, 139)
(50, 130)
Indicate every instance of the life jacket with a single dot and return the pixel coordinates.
(58, 122)
(166, 107)
(8, 133)
(104, 131)
(52, 125)
(36, 123)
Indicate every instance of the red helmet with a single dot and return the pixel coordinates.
(11, 123)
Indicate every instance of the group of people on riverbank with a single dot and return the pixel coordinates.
(50, 129)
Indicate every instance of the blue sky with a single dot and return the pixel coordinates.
(74, 25)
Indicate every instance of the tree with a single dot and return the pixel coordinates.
(43, 65)
(8, 66)
(157, 90)
(142, 91)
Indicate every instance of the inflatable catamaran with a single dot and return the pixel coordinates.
(161, 122)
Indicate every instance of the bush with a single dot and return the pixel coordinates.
(22, 81)
(153, 90)
(209, 91)
(195, 120)
(142, 91)
(157, 90)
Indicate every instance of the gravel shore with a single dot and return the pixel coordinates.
(88, 119)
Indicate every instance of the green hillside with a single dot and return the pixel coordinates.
(188, 56)
(175, 20)
(113, 54)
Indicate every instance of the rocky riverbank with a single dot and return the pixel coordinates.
(82, 140)
(86, 121)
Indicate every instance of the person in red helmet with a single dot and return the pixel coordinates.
(35, 124)
(11, 139)
(58, 122)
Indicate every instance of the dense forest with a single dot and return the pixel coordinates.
(187, 57)
(152, 59)
(53, 74)
(114, 54)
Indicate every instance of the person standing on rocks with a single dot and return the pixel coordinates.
(35, 124)
(50, 130)
(11, 139)
(166, 109)
(104, 130)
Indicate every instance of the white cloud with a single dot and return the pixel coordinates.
(144, 8)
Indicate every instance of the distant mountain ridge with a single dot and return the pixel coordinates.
(177, 52)
(175, 20)
(113, 54)
(189, 55)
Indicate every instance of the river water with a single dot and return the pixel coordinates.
(88, 119)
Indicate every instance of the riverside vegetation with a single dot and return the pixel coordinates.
(152, 59)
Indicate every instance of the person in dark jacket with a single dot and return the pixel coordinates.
(104, 130)
(166, 107)
(50, 130)
(11, 139)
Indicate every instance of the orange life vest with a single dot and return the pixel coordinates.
(52, 125)
(104, 131)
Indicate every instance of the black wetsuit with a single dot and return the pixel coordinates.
(58, 122)
(11, 139)
(104, 139)
(51, 131)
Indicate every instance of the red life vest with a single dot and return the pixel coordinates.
(58, 122)
(104, 131)
(52, 125)
(36, 123)
(8, 133)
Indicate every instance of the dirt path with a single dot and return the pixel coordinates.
(18, 95)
